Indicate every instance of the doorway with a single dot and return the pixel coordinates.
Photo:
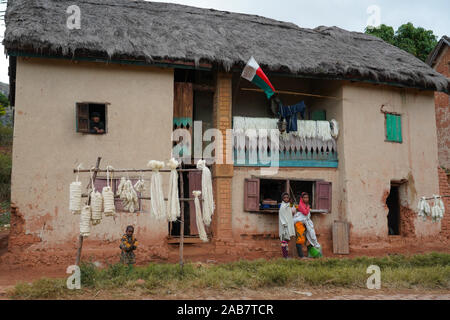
(393, 204)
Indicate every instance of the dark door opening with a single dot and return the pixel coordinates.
(393, 204)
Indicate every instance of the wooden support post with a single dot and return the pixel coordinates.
(81, 238)
(181, 222)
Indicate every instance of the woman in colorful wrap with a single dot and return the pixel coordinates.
(128, 244)
(304, 215)
(286, 224)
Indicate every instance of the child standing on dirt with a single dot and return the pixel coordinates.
(128, 244)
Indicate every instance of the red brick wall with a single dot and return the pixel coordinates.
(443, 112)
(444, 187)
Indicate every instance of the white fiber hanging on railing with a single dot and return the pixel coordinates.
(323, 130)
(156, 192)
(139, 186)
(423, 208)
(198, 214)
(75, 202)
(334, 125)
(173, 203)
(208, 200)
(85, 221)
(109, 208)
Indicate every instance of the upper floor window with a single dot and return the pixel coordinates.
(91, 118)
(394, 128)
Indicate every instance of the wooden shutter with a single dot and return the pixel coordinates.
(251, 195)
(195, 184)
(82, 115)
(394, 128)
(323, 196)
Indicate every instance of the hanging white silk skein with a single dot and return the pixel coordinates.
(96, 207)
(85, 221)
(423, 208)
(75, 202)
(173, 203)
(207, 191)
(437, 212)
(108, 196)
(198, 214)
(156, 192)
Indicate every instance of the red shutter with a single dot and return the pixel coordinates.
(323, 194)
(82, 117)
(251, 195)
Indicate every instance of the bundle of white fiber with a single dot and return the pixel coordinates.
(173, 205)
(310, 128)
(324, 130)
(198, 214)
(96, 207)
(334, 128)
(208, 200)
(156, 192)
(139, 186)
(75, 203)
(108, 202)
(437, 212)
(85, 221)
(423, 208)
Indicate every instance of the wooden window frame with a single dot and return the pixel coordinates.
(78, 106)
(314, 196)
(386, 114)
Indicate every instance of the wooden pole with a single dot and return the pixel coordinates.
(181, 222)
(294, 93)
(81, 238)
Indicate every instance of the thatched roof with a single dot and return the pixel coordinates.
(444, 42)
(125, 29)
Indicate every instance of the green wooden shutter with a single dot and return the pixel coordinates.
(319, 115)
(394, 128)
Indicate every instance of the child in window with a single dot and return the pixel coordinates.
(128, 244)
(97, 126)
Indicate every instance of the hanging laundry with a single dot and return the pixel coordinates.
(253, 73)
(290, 114)
(438, 210)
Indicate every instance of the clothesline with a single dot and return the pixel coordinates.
(432, 198)
(294, 93)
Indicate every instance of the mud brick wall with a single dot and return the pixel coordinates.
(444, 188)
(443, 113)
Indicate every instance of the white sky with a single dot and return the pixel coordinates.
(347, 14)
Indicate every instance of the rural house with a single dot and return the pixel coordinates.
(439, 59)
(147, 68)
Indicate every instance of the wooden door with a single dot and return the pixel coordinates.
(195, 184)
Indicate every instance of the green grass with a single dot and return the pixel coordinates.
(430, 271)
(5, 214)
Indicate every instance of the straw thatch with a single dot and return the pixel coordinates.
(125, 29)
